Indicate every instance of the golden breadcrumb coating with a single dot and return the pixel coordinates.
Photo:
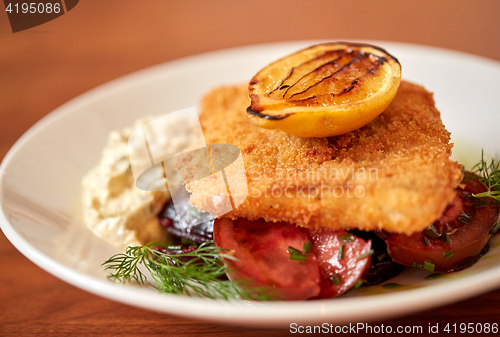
(392, 174)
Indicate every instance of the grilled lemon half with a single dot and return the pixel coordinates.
(324, 90)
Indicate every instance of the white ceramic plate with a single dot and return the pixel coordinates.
(40, 182)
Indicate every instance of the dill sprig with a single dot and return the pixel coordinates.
(489, 176)
(196, 273)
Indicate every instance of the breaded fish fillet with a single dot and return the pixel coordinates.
(393, 174)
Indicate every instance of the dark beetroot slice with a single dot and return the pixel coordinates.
(382, 267)
(382, 271)
(183, 250)
(186, 224)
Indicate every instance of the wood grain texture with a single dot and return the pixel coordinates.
(98, 41)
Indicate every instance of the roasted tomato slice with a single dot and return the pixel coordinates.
(264, 261)
(340, 267)
(456, 238)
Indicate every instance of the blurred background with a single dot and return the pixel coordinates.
(45, 66)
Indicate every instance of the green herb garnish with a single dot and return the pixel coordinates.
(495, 228)
(368, 253)
(341, 252)
(448, 254)
(446, 238)
(381, 256)
(358, 284)
(298, 257)
(465, 218)
(426, 241)
(489, 176)
(432, 232)
(335, 279)
(434, 276)
(429, 266)
(296, 254)
(307, 247)
(345, 238)
(198, 276)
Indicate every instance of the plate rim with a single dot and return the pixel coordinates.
(286, 312)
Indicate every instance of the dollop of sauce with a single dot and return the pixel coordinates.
(116, 210)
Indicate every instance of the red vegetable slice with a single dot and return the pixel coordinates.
(340, 271)
(467, 233)
(264, 259)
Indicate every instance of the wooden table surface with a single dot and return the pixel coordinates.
(98, 41)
